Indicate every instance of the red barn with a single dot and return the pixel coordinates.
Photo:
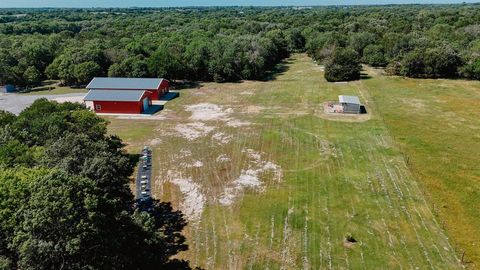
(157, 87)
(118, 101)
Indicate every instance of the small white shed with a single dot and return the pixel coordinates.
(350, 104)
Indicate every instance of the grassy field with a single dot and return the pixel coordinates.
(58, 90)
(437, 126)
(268, 181)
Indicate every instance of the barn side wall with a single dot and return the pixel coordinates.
(164, 87)
(351, 108)
(132, 107)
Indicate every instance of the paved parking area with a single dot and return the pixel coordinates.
(16, 103)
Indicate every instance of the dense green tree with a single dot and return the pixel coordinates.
(442, 61)
(166, 63)
(116, 70)
(32, 76)
(343, 65)
(171, 44)
(295, 40)
(196, 58)
(14, 192)
(84, 72)
(472, 69)
(413, 64)
(374, 56)
(135, 67)
(221, 65)
(358, 41)
(6, 118)
(14, 153)
(59, 224)
(65, 197)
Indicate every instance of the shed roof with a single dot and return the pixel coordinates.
(114, 95)
(349, 99)
(125, 83)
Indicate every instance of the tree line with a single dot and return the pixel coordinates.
(230, 44)
(440, 41)
(65, 201)
(74, 45)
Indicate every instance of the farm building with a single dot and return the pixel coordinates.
(155, 86)
(350, 104)
(118, 101)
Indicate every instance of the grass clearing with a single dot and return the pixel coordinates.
(58, 90)
(299, 183)
(437, 127)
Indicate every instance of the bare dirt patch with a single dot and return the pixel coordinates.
(155, 141)
(222, 138)
(253, 109)
(193, 131)
(251, 177)
(194, 201)
(209, 112)
(237, 123)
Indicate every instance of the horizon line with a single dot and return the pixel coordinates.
(253, 6)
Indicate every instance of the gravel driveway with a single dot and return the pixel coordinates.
(16, 103)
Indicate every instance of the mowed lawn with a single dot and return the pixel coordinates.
(267, 182)
(436, 123)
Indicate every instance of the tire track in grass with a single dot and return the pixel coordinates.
(394, 177)
(305, 260)
(230, 252)
(383, 213)
(215, 245)
(254, 254)
(412, 222)
(438, 228)
(402, 239)
(272, 236)
(346, 152)
(286, 256)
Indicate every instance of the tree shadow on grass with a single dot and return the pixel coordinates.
(180, 85)
(365, 76)
(278, 70)
(269, 75)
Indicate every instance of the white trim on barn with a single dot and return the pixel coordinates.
(89, 104)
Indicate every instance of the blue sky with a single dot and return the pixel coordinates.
(173, 3)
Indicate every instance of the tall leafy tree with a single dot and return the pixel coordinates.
(65, 200)
(343, 65)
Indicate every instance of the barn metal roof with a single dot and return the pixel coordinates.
(125, 83)
(349, 99)
(114, 95)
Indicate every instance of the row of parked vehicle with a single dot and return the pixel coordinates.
(145, 172)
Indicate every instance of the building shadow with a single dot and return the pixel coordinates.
(363, 110)
(169, 96)
(152, 109)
